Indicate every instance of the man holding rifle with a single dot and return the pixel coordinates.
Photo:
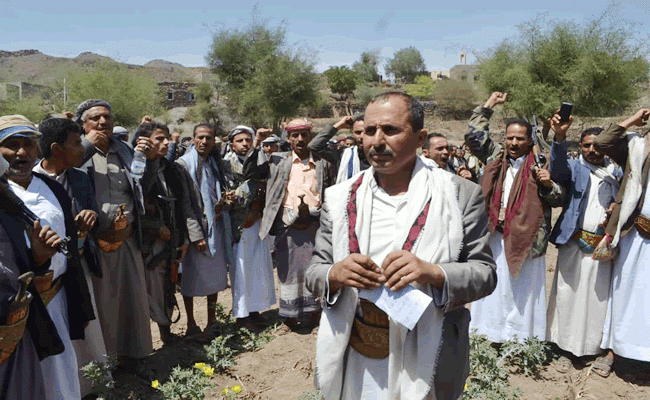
(519, 195)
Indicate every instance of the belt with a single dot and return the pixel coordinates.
(643, 226)
(369, 336)
(10, 335)
(587, 238)
(110, 241)
(46, 287)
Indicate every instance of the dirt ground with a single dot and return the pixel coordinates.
(283, 368)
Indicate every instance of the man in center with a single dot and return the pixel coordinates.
(401, 222)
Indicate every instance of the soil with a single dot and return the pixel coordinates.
(283, 369)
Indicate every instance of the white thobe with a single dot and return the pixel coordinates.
(59, 371)
(627, 323)
(578, 301)
(517, 307)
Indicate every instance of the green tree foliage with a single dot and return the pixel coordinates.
(266, 82)
(343, 83)
(132, 94)
(455, 98)
(366, 67)
(406, 64)
(423, 88)
(33, 108)
(597, 65)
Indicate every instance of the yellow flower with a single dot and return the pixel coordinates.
(225, 391)
(209, 371)
(465, 388)
(236, 388)
(155, 384)
(199, 365)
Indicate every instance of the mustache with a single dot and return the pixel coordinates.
(385, 151)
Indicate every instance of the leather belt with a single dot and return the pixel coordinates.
(642, 225)
(46, 287)
(591, 239)
(11, 334)
(110, 241)
(369, 336)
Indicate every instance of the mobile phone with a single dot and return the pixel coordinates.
(565, 111)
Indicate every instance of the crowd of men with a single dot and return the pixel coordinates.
(97, 233)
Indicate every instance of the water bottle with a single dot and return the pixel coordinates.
(138, 164)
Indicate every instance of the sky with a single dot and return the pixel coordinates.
(335, 33)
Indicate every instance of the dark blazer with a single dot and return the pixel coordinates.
(276, 173)
(41, 328)
(80, 308)
(83, 194)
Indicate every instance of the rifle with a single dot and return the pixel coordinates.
(540, 158)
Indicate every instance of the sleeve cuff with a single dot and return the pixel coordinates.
(330, 298)
(441, 296)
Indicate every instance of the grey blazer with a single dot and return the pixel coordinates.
(472, 277)
(276, 173)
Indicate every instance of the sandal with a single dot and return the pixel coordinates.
(602, 366)
(283, 329)
(563, 365)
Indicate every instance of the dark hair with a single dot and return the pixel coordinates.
(522, 122)
(55, 130)
(204, 125)
(590, 131)
(427, 143)
(416, 110)
(148, 128)
(358, 117)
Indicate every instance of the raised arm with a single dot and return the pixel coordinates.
(613, 143)
(477, 136)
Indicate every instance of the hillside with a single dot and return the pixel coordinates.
(32, 66)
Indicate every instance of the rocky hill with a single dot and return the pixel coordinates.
(32, 66)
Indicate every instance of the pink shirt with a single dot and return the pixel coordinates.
(302, 180)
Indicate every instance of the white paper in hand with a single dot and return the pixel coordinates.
(405, 306)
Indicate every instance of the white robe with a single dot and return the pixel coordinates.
(578, 301)
(517, 307)
(253, 287)
(59, 371)
(628, 316)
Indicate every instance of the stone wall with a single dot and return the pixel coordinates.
(177, 94)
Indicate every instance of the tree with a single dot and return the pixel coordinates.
(131, 93)
(457, 98)
(33, 108)
(265, 81)
(342, 82)
(423, 88)
(406, 64)
(597, 65)
(366, 67)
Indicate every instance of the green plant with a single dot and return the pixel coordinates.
(100, 375)
(219, 353)
(317, 395)
(186, 384)
(527, 357)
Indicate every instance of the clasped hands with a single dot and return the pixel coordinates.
(399, 269)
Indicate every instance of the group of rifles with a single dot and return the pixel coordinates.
(98, 231)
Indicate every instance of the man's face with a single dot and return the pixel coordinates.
(204, 140)
(72, 151)
(270, 148)
(349, 142)
(299, 140)
(589, 152)
(518, 143)
(388, 140)
(99, 119)
(357, 131)
(438, 151)
(160, 141)
(241, 143)
(21, 154)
